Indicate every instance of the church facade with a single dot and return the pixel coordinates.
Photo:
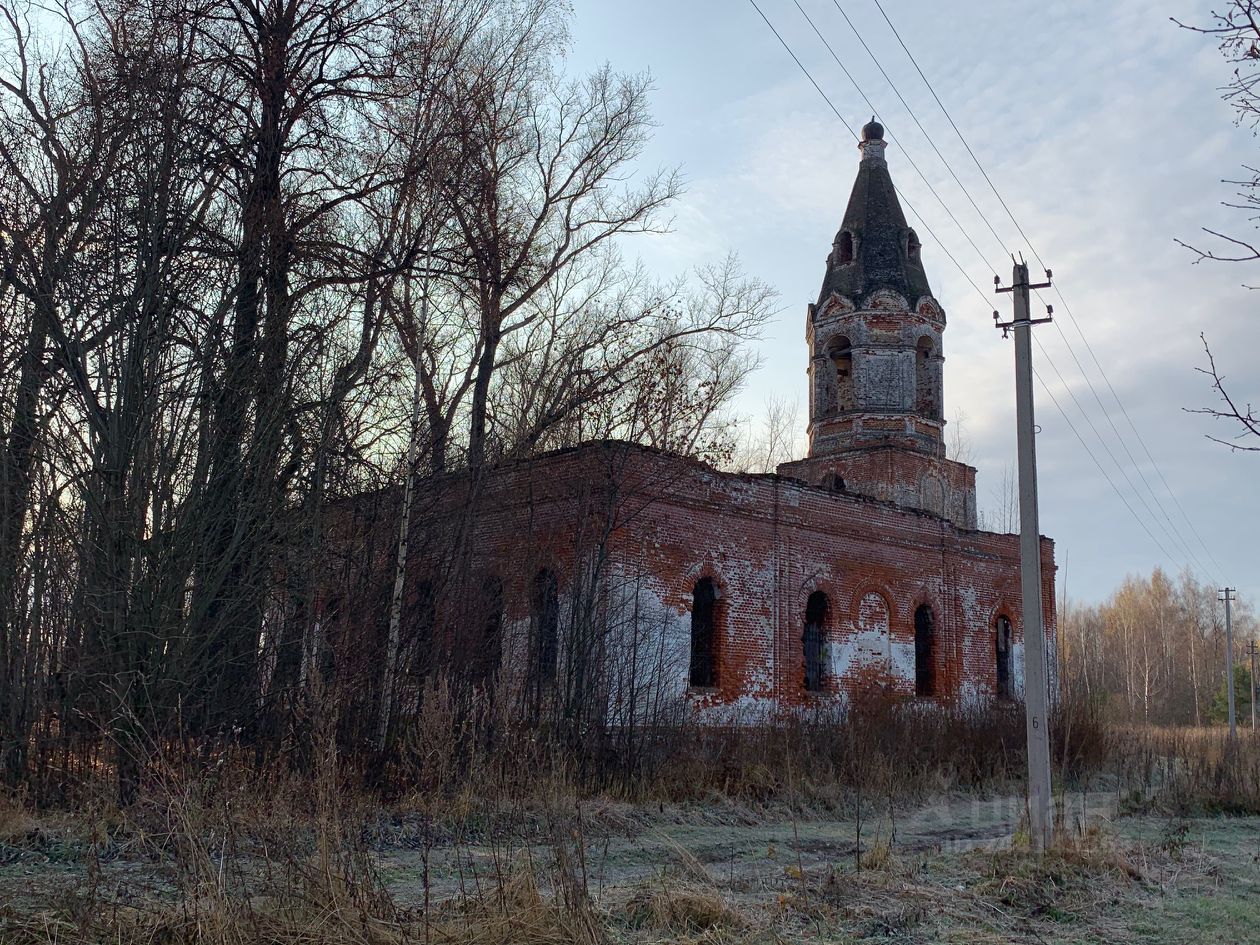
(730, 596)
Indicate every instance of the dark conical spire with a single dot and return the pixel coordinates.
(874, 248)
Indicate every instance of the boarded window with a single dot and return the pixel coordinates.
(544, 626)
(703, 634)
(842, 364)
(924, 658)
(1003, 656)
(812, 640)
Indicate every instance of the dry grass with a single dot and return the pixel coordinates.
(287, 858)
(1089, 887)
(1187, 770)
(519, 912)
(682, 908)
(17, 819)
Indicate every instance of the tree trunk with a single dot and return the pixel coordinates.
(481, 395)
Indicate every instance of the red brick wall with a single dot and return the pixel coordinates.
(902, 476)
(659, 523)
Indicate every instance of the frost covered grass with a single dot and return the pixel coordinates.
(889, 822)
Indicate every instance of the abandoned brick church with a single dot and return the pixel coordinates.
(730, 595)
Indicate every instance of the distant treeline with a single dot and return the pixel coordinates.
(1154, 652)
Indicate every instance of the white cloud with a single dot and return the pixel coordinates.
(1104, 130)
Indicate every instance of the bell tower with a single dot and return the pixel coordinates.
(876, 398)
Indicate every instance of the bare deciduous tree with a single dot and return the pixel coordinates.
(1237, 30)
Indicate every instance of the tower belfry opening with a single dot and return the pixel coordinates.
(876, 411)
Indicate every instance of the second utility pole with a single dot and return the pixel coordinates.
(1251, 648)
(1229, 662)
(1036, 690)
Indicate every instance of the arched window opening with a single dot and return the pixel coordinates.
(1003, 651)
(924, 380)
(703, 634)
(842, 362)
(544, 626)
(812, 640)
(924, 663)
(846, 247)
(913, 245)
(835, 482)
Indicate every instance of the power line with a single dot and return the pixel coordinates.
(984, 217)
(922, 222)
(984, 298)
(1132, 459)
(1089, 452)
(1124, 411)
(915, 118)
(1022, 234)
(1176, 539)
(801, 65)
(904, 150)
(1067, 308)
(1173, 533)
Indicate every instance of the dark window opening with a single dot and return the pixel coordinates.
(835, 482)
(846, 247)
(703, 635)
(812, 640)
(913, 245)
(924, 382)
(842, 362)
(544, 626)
(924, 664)
(1004, 689)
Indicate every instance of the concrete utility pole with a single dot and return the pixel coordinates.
(1229, 659)
(1036, 690)
(1251, 648)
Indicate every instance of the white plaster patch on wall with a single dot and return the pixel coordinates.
(970, 695)
(649, 649)
(861, 649)
(869, 645)
(932, 494)
(746, 710)
(648, 653)
(902, 664)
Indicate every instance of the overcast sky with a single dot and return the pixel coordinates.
(1102, 127)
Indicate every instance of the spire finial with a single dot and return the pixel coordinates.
(872, 144)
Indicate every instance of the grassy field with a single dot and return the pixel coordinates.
(954, 870)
